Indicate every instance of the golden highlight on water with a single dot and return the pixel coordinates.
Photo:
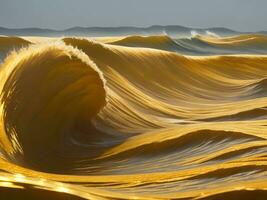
(133, 117)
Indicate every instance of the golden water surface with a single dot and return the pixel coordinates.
(133, 117)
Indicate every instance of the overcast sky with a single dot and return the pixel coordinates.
(244, 15)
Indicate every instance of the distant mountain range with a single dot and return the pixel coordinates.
(113, 31)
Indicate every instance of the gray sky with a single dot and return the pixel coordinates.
(244, 15)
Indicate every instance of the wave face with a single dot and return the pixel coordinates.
(134, 117)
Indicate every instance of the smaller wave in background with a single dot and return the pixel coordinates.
(10, 43)
(197, 44)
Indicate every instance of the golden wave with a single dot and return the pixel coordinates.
(106, 121)
(8, 44)
(45, 89)
(162, 42)
(196, 44)
(243, 40)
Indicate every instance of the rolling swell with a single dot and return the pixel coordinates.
(162, 42)
(199, 44)
(105, 121)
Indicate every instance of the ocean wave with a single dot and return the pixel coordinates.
(99, 120)
(45, 89)
(198, 44)
(11, 43)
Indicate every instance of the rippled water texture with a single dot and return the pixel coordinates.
(133, 117)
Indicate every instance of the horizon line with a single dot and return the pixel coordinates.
(124, 26)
